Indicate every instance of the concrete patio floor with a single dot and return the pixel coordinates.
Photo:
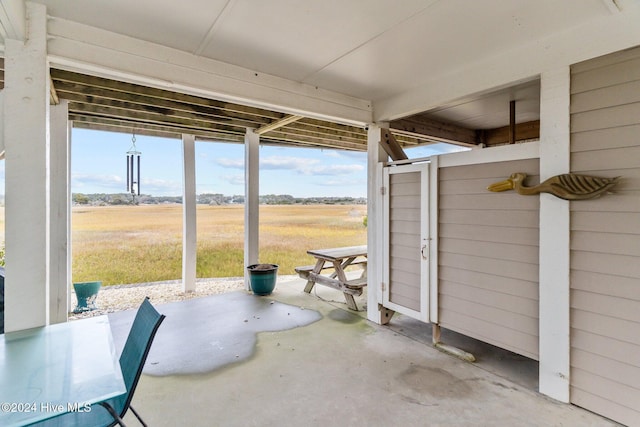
(316, 363)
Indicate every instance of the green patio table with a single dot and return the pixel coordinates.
(51, 370)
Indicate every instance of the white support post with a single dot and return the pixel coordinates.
(1, 125)
(251, 200)
(69, 211)
(375, 155)
(59, 273)
(434, 211)
(189, 230)
(554, 303)
(26, 135)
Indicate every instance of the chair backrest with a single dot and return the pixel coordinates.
(135, 351)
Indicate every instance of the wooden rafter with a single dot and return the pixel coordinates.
(91, 95)
(277, 124)
(435, 130)
(346, 133)
(124, 108)
(121, 107)
(179, 121)
(391, 146)
(149, 129)
(501, 135)
(315, 140)
(325, 133)
(83, 82)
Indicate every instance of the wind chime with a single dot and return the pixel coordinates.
(133, 169)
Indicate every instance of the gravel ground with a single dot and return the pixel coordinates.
(124, 297)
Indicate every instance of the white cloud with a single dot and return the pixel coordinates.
(87, 180)
(89, 183)
(308, 167)
(226, 162)
(332, 153)
(357, 156)
(301, 165)
(236, 179)
(162, 187)
(340, 182)
(290, 163)
(335, 170)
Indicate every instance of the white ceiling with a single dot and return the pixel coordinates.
(369, 49)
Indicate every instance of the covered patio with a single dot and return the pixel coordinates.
(539, 88)
(297, 359)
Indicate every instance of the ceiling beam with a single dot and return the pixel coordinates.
(412, 139)
(277, 124)
(501, 135)
(435, 130)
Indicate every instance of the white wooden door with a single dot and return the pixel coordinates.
(406, 240)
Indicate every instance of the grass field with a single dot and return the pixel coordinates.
(134, 244)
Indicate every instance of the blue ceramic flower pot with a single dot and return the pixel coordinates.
(86, 293)
(262, 278)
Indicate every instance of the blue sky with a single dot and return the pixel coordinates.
(98, 165)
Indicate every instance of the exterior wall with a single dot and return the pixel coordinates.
(605, 238)
(488, 256)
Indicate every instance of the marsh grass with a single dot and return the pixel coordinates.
(136, 244)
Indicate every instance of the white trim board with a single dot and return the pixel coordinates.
(502, 153)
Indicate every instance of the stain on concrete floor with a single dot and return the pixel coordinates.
(343, 316)
(436, 382)
(205, 334)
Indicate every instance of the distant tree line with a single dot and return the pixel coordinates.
(103, 199)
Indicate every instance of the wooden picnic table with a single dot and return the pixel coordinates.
(336, 260)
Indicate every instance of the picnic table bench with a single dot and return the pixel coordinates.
(337, 260)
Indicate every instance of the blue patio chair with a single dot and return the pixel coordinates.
(110, 412)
